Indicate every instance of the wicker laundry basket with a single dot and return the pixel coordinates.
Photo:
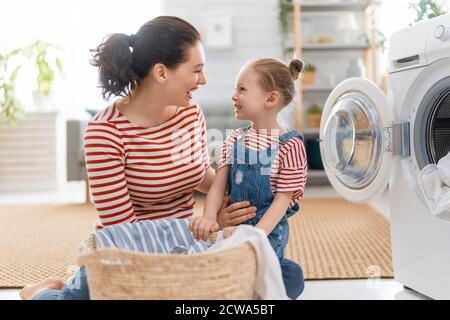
(119, 274)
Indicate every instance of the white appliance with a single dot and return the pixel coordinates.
(369, 142)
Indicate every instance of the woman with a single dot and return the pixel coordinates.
(146, 153)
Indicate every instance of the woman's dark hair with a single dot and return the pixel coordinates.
(124, 60)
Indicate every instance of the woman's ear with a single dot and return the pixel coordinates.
(160, 72)
(273, 99)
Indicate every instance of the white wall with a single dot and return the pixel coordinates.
(255, 34)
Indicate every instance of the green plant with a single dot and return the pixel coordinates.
(10, 105)
(427, 9)
(309, 67)
(38, 51)
(314, 109)
(284, 8)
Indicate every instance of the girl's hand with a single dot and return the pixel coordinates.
(228, 231)
(234, 214)
(201, 227)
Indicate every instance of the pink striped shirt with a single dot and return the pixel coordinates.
(138, 173)
(289, 170)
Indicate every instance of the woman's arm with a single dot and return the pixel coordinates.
(207, 181)
(104, 153)
(275, 212)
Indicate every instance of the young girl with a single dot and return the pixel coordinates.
(262, 164)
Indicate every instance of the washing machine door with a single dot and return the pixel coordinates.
(355, 120)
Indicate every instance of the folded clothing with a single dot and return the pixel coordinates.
(151, 236)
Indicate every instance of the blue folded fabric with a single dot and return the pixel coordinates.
(151, 236)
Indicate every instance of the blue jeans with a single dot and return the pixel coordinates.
(249, 180)
(292, 278)
(75, 289)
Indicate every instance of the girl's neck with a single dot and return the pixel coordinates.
(268, 124)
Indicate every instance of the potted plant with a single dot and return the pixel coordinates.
(427, 9)
(10, 64)
(309, 74)
(40, 52)
(284, 10)
(10, 106)
(314, 114)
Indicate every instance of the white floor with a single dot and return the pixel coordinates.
(373, 289)
(382, 289)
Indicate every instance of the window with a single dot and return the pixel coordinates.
(76, 27)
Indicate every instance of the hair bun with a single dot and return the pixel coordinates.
(131, 40)
(295, 66)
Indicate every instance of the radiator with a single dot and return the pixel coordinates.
(32, 153)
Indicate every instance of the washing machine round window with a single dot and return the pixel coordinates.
(352, 139)
(354, 132)
(432, 133)
(439, 128)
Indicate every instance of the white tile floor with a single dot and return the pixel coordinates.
(375, 289)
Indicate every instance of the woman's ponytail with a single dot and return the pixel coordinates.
(114, 59)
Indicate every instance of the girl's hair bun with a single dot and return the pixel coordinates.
(295, 66)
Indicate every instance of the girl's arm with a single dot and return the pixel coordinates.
(207, 181)
(201, 227)
(216, 193)
(276, 211)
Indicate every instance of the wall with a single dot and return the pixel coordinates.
(255, 34)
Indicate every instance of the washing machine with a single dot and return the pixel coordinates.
(370, 142)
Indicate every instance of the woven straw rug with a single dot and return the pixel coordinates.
(40, 241)
(335, 239)
(330, 238)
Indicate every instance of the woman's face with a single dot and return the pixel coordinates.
(187, 77)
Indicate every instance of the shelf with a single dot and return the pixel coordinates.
(358, 46)
(333, 5)
(316, 89)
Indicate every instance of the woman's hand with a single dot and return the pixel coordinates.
(201, 227)
(234, 214)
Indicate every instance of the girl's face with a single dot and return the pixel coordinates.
(187, 77)
(249, 98)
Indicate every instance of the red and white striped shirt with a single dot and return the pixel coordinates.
(138, 173)
(289, 170)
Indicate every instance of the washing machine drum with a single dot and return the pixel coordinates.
(438, 127)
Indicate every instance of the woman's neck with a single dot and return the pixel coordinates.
(145, 108)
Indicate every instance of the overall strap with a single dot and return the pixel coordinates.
(289, 135)
(240, 139)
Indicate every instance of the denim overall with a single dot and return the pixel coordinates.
(249, 180)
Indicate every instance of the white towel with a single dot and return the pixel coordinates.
(434, 181)
(269, 281)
